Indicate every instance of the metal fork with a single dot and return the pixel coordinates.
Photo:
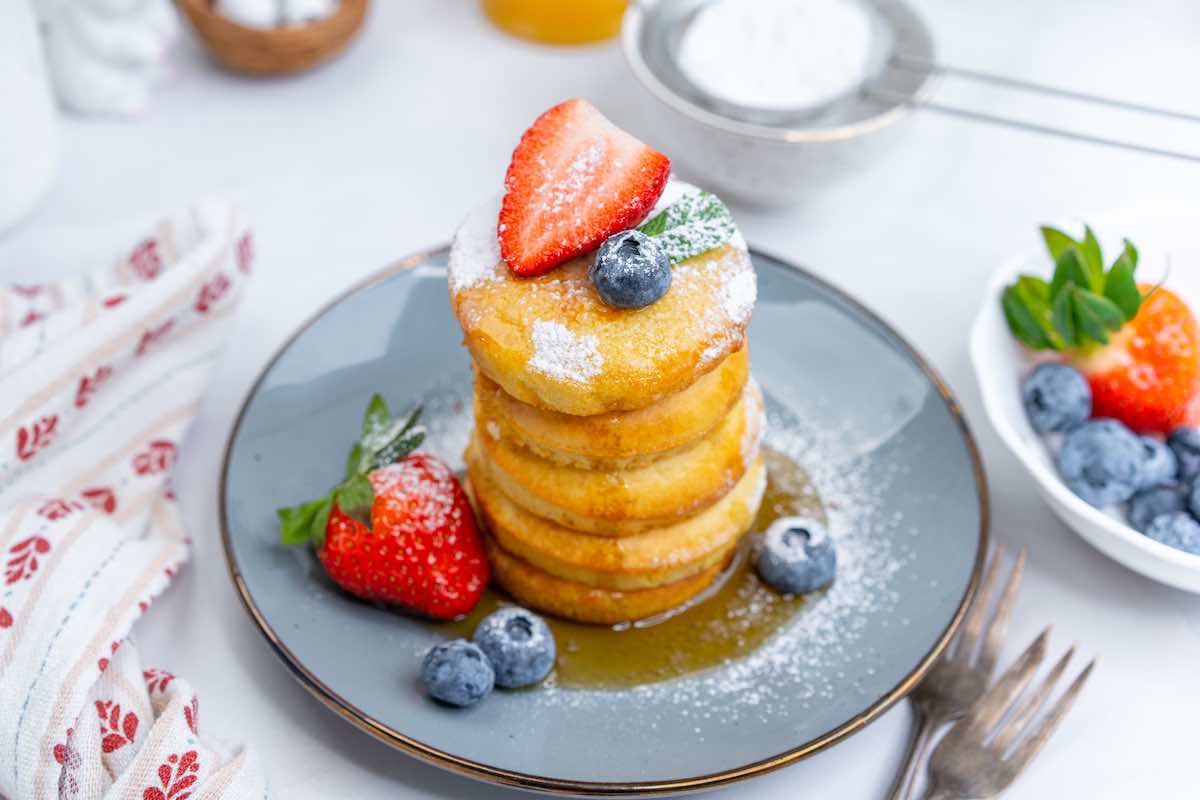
(975, 759)
(957, 679)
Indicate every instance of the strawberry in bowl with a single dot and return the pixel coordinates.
(398, 530)
(1137, 345)
(1090, 379)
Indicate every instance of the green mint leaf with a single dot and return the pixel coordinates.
(1096, 315)
(1057, 242)
(1121, 287)
(1062, 316)
(695, 223)
(1023, 321)
(1093, 261)
(399, 447)
(394, 442)
(296, 523)
(355, 498)
(377, 416)
(655, 225)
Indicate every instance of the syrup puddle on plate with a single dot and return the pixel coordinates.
(728, 621)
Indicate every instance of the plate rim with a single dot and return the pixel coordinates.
(560, 786)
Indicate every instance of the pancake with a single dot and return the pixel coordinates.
(629, 501)
(653, 558)
(551, 342)
(540, 590)
(619, 439)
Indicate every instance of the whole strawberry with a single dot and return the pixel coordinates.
(1138, 346)
(399, 529)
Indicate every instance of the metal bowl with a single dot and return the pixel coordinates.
(771, 158)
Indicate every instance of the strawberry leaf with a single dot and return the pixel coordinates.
(1093, 261)
(1121, 288)
(355, 498)
(384, 441)
(1062, 316)
(1057, 242)
(354, 460)
(377, 416)
(1082, 304)
(399, 439)
(1027, 308)
(1095, 316)
(1068, 269)
(298, 523)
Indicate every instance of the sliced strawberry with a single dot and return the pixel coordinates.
(575, 179)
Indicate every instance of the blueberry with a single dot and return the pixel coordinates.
(1057, 398)
(1160, 465)
(519, 644)
(1185, 442)
(1178, 529)
(457, 673)
(1102, 462)
(1193, 497)
(1149, 504)
(797, 555)
(631, 270)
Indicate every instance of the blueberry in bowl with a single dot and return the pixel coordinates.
(1057, 398)
(1185, 443)
(1178, 529)
(1160, 466)
(1150, 504)
(1103, 462)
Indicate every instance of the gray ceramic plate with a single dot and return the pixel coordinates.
(880, 433)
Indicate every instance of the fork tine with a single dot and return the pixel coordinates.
(998, 627)
(1013, 728)
(1038, 736)
(990, 708)
(977, 613)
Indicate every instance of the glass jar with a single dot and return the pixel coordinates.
(557, 21)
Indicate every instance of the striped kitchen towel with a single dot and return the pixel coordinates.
(99, 378)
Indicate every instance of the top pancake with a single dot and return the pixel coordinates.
(551, 342)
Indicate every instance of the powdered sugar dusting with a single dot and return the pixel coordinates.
(563, 355)
(824, 642)
(740, 292)
(475, 254)
(447, 418)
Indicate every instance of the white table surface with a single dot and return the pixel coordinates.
(382, 152)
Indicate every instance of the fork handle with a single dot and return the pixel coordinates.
(937, 793)
(919, 738)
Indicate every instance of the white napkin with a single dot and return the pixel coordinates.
(99, 379)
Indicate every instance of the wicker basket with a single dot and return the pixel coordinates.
(274, 51)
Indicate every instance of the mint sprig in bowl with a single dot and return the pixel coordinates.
(1001, 358)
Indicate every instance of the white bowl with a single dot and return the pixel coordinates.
(1000, 364)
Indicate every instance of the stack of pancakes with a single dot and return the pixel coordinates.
(615, 454)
